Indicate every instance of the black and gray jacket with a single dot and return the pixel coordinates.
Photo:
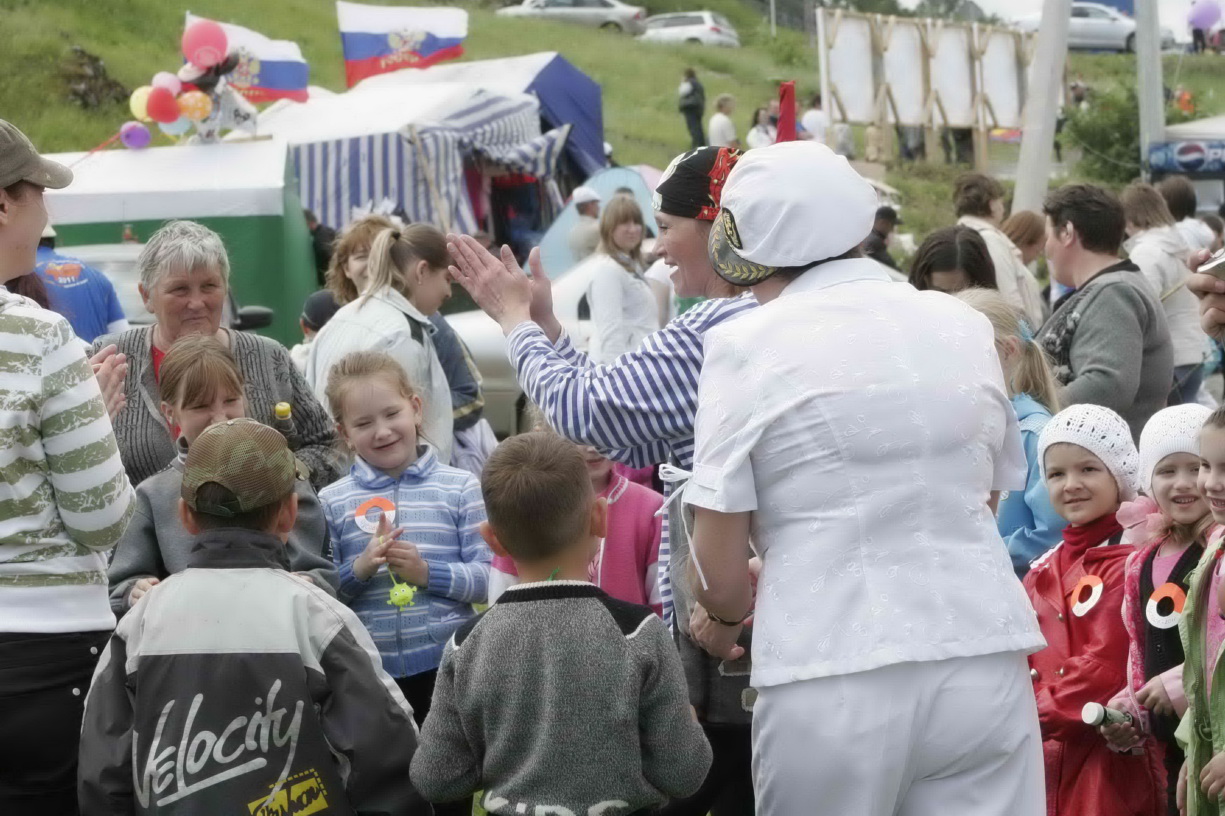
(235, 687)
(560, 699)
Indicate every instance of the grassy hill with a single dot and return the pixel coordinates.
(137, 38)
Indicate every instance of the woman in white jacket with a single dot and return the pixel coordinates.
(1156, 246)
(979, 202)
(388, 293)
(623, 307)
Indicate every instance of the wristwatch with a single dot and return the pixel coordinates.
(720, 620)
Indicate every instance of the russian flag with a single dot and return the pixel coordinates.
(267, 69)
(380, 39)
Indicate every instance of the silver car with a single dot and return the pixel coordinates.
(1098, 27)
(611, 15)
(698, 27)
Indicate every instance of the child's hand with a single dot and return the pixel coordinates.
(404, 559)
(375, 554)
(1121, 737)
(140, 588)
(1212, 778)
(1153, 696)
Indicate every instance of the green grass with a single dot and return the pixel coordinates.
(137, 38)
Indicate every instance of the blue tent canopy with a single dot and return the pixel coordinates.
(566, 94)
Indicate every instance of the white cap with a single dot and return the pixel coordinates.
(49, 231)
(584, 195)
(1169, 431)
(1103, 433)
(792, 204)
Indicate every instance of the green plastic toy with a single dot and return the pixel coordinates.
(401, 594)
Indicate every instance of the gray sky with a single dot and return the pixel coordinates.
(1173, 12)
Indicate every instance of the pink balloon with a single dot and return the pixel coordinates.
(167, 80)
(204, 43)
(1204, 14)
(134, 135)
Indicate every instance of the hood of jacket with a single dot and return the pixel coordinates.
(1167, 240)
(1026, 406)
(371, 478)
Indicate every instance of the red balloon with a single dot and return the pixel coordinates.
(204, 43)
(162, 106)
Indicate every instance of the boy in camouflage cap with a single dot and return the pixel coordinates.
(232, 686)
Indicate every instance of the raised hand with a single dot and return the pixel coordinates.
(375, 554)
(111, 371)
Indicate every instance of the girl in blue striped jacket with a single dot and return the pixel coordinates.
(402, 524)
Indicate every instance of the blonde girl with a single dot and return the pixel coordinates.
(388, 301)
(623, 307)
(1027, 520)
(401, 517)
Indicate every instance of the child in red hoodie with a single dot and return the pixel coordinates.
(1090, 464)
(626, 564)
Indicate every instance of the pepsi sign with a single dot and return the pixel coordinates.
(1187, 157)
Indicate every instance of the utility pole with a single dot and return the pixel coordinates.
(1148, 78)
(1042, 106)
(773, 21)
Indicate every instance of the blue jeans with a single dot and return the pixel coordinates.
(1187, 380)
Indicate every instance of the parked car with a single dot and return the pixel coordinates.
(118, 263)
(612, 15)
(701, 27)
(1098, 27)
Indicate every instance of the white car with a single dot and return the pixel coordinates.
(1098, 27)
(611, 15)
(700, 27)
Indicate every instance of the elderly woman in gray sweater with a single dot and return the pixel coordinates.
(1108, 339)
(184, 281)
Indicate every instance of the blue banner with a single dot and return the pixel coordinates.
(1187, 157)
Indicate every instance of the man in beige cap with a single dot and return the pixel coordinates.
(64, 502)
(272, 689)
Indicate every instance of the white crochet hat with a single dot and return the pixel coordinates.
(1103, 433)
(1171, 430)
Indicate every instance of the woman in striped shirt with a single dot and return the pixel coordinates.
(639, 409)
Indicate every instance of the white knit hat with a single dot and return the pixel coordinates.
(1103, 433)
(1171, 430)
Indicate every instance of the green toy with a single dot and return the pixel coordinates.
(401, 594)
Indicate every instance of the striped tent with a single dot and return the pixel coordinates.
(408, 145)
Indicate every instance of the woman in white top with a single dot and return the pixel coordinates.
(402, 279)
(857, 429)
(761, 132)
(623, 307)
(1156, 246)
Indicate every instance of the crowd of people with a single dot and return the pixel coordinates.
(950, 546)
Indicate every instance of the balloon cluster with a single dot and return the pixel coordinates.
(164, 101)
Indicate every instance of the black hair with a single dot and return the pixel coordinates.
(949, 250)
(1096, 213)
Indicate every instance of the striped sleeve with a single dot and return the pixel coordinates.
(643, 398)
(91, 488)
(467, 579)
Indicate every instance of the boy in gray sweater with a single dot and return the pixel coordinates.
(200, 384)
(559, 698)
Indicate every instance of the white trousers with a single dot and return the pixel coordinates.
(947, 738)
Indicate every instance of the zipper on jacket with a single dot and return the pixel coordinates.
(399, 609)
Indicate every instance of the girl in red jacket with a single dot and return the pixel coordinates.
(1077, 590)
(1169, 523)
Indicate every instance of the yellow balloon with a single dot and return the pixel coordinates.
(195, 105)
(139, 103)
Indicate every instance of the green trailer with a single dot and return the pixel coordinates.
(245, 191)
